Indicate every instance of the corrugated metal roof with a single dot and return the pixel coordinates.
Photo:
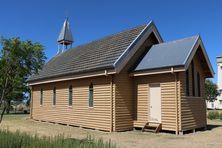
(168, 54)
(100, 54)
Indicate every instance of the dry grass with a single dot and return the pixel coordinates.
(203, 139)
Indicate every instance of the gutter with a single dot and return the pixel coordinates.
(72, 77)
(157, 71)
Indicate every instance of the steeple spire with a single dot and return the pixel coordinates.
(65, 37)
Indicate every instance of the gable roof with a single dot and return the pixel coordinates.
(97, 55)
(110, 54)
(167, 54)
(176, 53)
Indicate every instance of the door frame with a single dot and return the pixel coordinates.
(149, 101)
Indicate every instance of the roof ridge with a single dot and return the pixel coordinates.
(95, 55)
(97, 40)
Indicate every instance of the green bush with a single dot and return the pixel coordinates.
(18, 139)
(220, 116)
(213, 115)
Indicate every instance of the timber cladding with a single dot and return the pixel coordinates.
(79, 114)
(190, 110)
(119, 95)
(123, 91)
(123, 102)
(168, 100)
(124, 94)
(193, 108)
(112, 92)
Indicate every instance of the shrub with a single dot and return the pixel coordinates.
(18, 139)
(213, 115)
(220, 116)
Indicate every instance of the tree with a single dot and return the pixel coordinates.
(18, 61)
(211, 90)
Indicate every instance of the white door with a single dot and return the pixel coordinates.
(155, 103)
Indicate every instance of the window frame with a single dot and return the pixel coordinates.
(41, 97)
(91, 96)
(70, 99)
(54, 96)
(220, 102)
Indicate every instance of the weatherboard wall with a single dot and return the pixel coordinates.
(123, 102)
(79, 114)
(124, 89)
(193, 108)
(127, 95)
(168, 100)
(119, 94)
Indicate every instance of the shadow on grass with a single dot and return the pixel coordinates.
(18, 113)
(213, 126)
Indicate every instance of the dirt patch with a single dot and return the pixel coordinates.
(135, 139)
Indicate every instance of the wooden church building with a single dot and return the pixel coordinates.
(124, 81)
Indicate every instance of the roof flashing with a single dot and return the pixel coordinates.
(130, 50)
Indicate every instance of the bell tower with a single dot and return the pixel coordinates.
(65, 39)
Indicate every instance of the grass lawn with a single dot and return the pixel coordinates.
(18, 139)
(209, 138)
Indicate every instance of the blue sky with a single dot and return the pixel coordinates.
(41, 20)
